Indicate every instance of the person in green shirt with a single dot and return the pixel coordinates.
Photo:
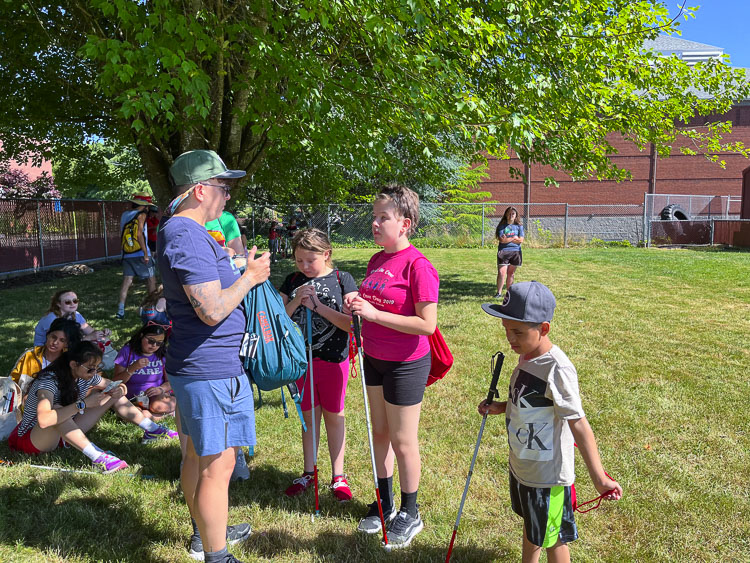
(226, 232)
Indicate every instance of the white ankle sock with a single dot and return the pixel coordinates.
(92, 452)
(148, 425)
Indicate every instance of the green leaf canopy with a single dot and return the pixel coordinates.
(339, 79)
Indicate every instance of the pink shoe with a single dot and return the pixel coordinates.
(161, 432)
(300, 485)
(340, 489)
(108, 463)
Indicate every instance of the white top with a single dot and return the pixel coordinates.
(542, 396)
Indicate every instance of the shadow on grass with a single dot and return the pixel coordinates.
(159, 460)
(79, 516)
(718, 248)
(332, 546)
(266, 487)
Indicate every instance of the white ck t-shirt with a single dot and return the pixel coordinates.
(542, 396)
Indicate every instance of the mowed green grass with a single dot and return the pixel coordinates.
(661, 340)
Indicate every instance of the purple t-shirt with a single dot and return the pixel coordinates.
(145, 378)
(395, 283)
(188, 255)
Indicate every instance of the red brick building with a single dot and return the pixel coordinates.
(678, 174)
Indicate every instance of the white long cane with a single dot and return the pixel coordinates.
(312, 404)
(497, 361)
(356, 322)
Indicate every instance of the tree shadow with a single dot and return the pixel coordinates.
(78, 516)
(266, 487)
(334, 546)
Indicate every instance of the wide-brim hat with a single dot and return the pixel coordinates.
(198, 166)
(141, 198)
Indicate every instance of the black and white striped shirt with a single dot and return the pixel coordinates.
(50, 384)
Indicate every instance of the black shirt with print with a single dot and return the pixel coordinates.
(330, 343)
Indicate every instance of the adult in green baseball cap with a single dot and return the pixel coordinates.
(204, 291)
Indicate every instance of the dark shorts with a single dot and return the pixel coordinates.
(547, 513)
(509, 258)
(152, 246)
(403, 382)
(217, 414)
(135, 268)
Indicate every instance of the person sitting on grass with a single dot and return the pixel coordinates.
(544, 419)
(67, 399)
(64, 304)
(154, 309)
(140, 366)
(62, 334)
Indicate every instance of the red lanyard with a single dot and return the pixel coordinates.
(597, 500)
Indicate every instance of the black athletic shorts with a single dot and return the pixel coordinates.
(403, 383)
(547, 513)
(509, 258)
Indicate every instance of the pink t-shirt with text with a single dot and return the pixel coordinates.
(394, 283)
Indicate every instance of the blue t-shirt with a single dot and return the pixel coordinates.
(125, 218)
(40, 332)
(509, 230)
(188, 255)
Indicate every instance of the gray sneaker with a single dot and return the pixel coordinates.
(235, 534)
(370, 524)
(241, 471)
(403, 529)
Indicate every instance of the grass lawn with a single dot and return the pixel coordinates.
(660, 340)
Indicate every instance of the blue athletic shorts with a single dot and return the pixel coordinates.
(135, 267)
(216, 413)
(547, 513)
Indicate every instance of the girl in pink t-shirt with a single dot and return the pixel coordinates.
(140, 365)
(397, 303)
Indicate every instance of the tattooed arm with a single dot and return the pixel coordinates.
(213, 304)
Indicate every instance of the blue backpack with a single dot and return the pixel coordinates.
(273, 348)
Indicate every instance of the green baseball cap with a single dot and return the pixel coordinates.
(198, 166)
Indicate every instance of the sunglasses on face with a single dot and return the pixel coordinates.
(91, 370)
(227, 189)
(154, 342)
(71, 301)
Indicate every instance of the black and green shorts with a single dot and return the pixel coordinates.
(547, 513)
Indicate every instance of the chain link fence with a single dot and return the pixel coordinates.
(464, 224)
(41, 234)
(38, 234)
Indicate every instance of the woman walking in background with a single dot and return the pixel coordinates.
(509, 235)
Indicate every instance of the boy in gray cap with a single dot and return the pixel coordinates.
(545, 419)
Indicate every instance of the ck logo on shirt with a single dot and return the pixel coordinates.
(530, 429)
(528, 436)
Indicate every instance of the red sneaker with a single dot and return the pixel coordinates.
(299, 485)
(340, 489)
